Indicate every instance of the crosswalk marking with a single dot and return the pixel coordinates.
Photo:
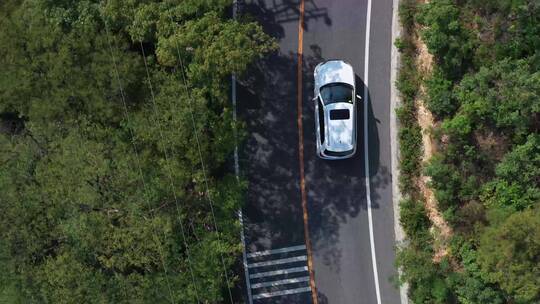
(277, 272)
(275, 251)
(280, 261)
(280, 282)
(281, 293)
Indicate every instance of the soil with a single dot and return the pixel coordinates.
(442, 231)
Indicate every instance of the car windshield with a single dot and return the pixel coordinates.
(337, 92)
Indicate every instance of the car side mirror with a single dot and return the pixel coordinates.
(358, 96)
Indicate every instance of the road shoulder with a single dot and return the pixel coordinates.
(395, 101)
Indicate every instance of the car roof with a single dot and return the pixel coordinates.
(340, 130)
(333, 71)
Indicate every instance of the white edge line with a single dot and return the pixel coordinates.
(279, 261)
(237, 173)
(274, 251)
(244, 257)
(282, 292)
(235, 131)
(280, 282)
(395, 100)
(366, 156)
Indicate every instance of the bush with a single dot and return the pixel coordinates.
(440, 101)
(410, 139)
(426, 280)
(445, 37)
(445, 180)
(516, 185)
(407, 10)
(408, 79)
(413, 219)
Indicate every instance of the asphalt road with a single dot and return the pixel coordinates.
(336, 191)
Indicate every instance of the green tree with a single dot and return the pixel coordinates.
(509, 255)
(446, 37)
(503, 96)
(88, 209)
(441, 100)
(516, 184)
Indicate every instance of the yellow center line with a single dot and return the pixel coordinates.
(301, 154)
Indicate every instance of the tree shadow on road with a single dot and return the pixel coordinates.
(267, 103)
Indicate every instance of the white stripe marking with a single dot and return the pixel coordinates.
(366, 156)
(280, 261)
(281, 293)
(244, 257)
(280, 282)
(277, 272)
(237, 173)
(274, 251)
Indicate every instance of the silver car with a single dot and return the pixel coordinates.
(335, 109)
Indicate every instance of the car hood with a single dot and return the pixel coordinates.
(333, 71)
(340, 131)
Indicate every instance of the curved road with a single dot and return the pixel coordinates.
(335, 193)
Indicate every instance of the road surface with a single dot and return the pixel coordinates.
(340, 248)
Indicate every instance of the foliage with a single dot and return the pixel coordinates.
(484, 93)
(469, 286)
(441, 100)
(516, 184)
(99, 206)
(446, 37)
(426, 280)
(414, 221)
(410, 138)
(509, 254)
(503, 96)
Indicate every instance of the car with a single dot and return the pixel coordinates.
(335, 109)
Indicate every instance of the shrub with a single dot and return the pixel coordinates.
(410, 139)
(440, 101)
(426, 280)
(413, 219)
(445, 37)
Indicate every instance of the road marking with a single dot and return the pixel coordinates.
(278, 272)
(299, 100)
(281, 293)
(279, 261)
(274, 251)
(366, 156)
(237, 173)
(280, 282)
(244, 256)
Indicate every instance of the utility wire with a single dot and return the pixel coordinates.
(208, 195)
(169, 173)
(126, 116)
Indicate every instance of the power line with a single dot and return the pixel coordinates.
(169, 173)
(126, 116)
(207, 188)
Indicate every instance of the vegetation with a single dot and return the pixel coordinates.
(114, 176)
(484, 92)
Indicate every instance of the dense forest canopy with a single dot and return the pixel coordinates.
(484, 91)
(106, 150)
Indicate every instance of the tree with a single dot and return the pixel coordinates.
(445, 37)
(504, 96)
(509, 255)
(99, 206)
(516, 185)
(441, 101)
